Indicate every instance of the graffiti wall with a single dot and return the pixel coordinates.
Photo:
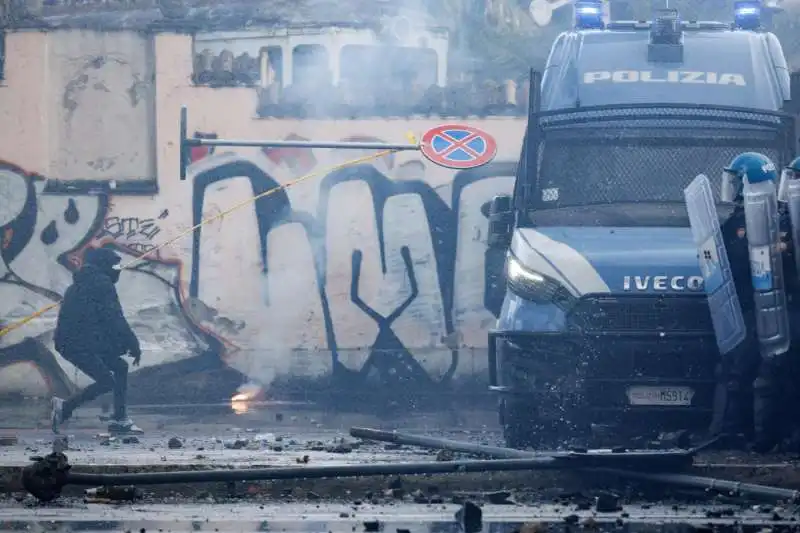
(354, 279)
(374, 272)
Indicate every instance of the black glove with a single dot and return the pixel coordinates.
(136, 354)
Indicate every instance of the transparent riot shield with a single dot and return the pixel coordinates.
(726, 314)
(766, 266)
(790, 193)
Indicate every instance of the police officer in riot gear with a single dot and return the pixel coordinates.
(751, 235)
(789, 198)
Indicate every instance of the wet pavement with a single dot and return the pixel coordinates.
(221, 436)
(401, 518)
(217, 435)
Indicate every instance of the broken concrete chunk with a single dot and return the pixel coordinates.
(470, 516)
(501, 497)
(607, 503)
(236, 444)
(175, 443)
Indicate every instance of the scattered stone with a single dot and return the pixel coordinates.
(265, 438)
(607, 503)
(419, 497)
(470, 516)
(339, 446)
(279, 417)
(130, 439)
(583, 505)
(114, 494)
(303, 460)
(372, 526)
(60, 444)
(571, 519)
(501, 497)
(236, 444)
(445, 455)
(174, 443)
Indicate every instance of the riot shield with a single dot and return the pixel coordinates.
(766, 266)
(790, 193)
(726, 314)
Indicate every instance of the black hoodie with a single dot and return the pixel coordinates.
(91, 318)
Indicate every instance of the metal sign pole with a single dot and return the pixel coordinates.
(454, 146)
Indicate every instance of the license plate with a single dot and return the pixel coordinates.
(665, 396)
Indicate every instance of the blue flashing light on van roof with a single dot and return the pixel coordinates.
(589, 15)
(747, 15)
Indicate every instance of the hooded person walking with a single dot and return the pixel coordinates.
(93, 334)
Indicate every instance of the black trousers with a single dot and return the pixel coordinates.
(750, 392)
(110, 374)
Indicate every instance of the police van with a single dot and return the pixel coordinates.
(603, 318)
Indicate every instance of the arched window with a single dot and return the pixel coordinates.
(310, 65)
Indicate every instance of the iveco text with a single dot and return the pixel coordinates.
(670, 76)
(662, 283)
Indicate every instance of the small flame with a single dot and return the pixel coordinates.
(247, 393)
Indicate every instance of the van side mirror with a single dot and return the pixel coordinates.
(501, 227)
(501, 222)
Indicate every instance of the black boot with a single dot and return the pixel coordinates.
(765, 415)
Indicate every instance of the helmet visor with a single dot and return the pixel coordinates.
(730, 186)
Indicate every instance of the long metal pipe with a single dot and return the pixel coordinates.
(652, 457)
(672, 479)
(343, 145)
(318, 472)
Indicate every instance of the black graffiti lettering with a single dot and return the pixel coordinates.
(271, 210)
(388, 355)
(72, 215)
(131, 227)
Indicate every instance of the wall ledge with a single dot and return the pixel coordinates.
(179, 26)
(134, 187)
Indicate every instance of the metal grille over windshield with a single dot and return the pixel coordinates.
(645, 153)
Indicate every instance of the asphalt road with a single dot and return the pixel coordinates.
(216, 435)
(400, 518)
(291, 435)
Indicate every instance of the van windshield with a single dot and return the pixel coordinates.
(644, 153)
(574, 173)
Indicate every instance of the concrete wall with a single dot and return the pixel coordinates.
(291, 290)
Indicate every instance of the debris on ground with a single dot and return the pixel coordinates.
(607, 503)
(8, 440)
(470, 517)
(113, 494)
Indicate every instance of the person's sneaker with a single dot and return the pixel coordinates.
(56, 413)
(124, 427)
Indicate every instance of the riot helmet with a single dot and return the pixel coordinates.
(750, 166)
(791, 172)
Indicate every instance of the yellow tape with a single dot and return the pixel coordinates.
(16, 325)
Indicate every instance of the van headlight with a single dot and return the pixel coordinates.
(535, 286)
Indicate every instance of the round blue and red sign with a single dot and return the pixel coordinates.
(458, 146)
